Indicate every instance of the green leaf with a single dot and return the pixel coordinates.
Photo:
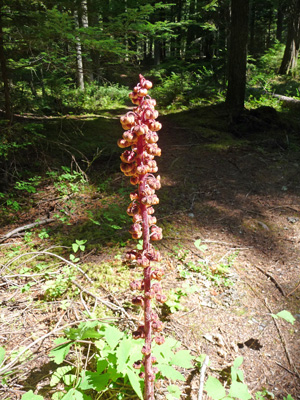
(175, 391)
(69, 379)
(60, 352)
(238, 362)
(57, 396)
(2, 354)
(286, 315)
(214, 388)
(135, 382)
(101, 366)
(112, 335)
(93, 380)
(31, 396)
(123, 353)
(75, 247)
(116, 227)
(73, 394)
(169, 372)
(85, 330)
(164, 353)
(240, 391)
(182, 359)
(59, 373)
(201, 247)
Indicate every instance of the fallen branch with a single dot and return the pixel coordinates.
(202, 375)
(279, 287)
(289, 102)
(25, 227)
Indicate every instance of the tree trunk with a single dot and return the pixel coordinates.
(80, 77)
(237, 55)
(290, 57)
(4, 73)
(279, 22)
(85, 24)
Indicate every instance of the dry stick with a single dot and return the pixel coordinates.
(283, 341)
(279, 287)
(38, 253)
(25, 227)
(202, 375)
(294, 290)
(108, 304)
(53, 332)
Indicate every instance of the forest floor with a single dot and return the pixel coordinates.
(230, 213)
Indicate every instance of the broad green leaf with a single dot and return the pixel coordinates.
(289, 397)
(135, 382)
(214, 388)
(170, 372)
(59, 373)
(73, 394)
(93, 380)
(174, 391)
(240, 375)
(182, 359)
(101, 366)
(135, 353)
(60, 352)
(113, 374)
(201, 247)
(112, 335)
(286, 315)
(123, 353)
(75, 247)
(240, 391)
(31, 396)
(69, 379)
(238, 362)
(165, 352)
(2, 354)
(85, 330)
(57, 396)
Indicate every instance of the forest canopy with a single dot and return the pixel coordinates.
(78, 55)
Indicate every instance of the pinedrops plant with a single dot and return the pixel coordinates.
(138, 162)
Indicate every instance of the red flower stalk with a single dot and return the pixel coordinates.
(140, 135)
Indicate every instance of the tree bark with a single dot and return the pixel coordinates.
(80, 76)
(237, 55)
(4, 72)
(290, 57)
(279, 22)
(85, 24)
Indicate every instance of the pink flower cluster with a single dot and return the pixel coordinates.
(138, 162)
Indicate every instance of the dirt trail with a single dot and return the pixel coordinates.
(237, 199)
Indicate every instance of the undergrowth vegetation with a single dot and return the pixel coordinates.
(65, 266)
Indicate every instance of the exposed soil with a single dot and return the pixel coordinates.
(242, 200)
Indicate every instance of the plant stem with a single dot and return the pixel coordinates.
(148, 391)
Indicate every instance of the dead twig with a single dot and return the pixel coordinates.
(39, 253)
(25, 227)
(8, 366)
(294, 290)
(279, 287)
(288, 356)
(108, 304)
(202, 375)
